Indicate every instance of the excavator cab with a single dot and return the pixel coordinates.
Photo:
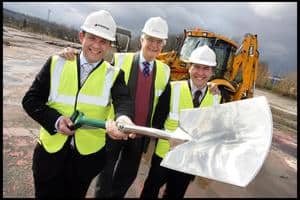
(224, 52)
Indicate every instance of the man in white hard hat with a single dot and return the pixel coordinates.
(192, 93)
(66, 160)
(147, 79)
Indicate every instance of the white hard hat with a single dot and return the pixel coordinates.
(203, 55)
(156, 27)
(101, 24)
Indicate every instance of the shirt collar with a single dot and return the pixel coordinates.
(84, 61)
(194, 88)
(142, 59)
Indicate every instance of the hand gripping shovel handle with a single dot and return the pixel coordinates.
(80, 120)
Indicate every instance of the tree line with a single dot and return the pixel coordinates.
(37, 25)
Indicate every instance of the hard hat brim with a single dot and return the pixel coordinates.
(156, 36)
(203, 63)
(102, 35)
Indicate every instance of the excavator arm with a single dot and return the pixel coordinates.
(242, 72)
(244, 69)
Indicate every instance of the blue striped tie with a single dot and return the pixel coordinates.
(146, 70)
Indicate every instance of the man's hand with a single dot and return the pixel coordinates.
(213, 88)
(113, 131)
(64, 125)
(68, 53)
(126, 120)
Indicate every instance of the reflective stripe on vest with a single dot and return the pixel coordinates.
(181, 98)
(124, 61)
(93, 100)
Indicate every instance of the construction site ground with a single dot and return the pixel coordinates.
(25, 53)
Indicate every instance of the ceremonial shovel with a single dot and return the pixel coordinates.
(226, 142)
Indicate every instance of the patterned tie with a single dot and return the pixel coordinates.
(84, 71)
(146, 70)
(196, 98)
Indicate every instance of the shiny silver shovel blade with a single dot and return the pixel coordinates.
(230, 141)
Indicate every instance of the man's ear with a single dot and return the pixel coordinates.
(81, 36)
(141, 41)
(189, 66)
(109, 47)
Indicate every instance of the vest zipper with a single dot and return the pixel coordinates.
(72, 141)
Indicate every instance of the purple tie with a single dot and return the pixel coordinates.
(146, 70)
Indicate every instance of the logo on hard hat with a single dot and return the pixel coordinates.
(155, 30)
(105, 27)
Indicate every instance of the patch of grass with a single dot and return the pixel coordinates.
(287, 86)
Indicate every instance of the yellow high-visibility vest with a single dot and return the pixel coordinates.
(93, 99)
(181, 98)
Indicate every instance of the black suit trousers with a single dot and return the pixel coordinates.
(65, 173)
(176, 182)
(123, 160)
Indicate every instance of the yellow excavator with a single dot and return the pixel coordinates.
(236, 69)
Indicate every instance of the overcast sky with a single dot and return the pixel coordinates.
(275, 23)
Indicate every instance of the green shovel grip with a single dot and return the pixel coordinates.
(79, 119)
(92, 122)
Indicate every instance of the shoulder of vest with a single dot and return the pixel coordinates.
(108, 65)
(208, 93)
(124, 54)
(118, 54)
(165, 66)
(58, 59)
(181, 82)
(161, 63)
